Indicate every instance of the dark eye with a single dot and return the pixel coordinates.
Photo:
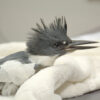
(57, 44)
(61, 44)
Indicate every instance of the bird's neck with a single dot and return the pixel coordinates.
(43, 60)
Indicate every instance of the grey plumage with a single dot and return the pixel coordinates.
(21, 56)
(44, 38)
(48, 41)
(43, 41)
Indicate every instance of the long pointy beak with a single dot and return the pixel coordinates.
(79, 44)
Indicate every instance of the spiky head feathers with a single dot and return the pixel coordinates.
(44, 38)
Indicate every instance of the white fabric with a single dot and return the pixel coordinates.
(71, 75)
(16, 72)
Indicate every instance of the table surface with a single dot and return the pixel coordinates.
(90, 96)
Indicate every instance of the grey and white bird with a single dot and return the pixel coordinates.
(43, 47)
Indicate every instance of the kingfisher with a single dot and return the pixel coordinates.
(44, 46)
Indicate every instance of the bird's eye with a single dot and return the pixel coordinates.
(57, 44)
(60, 44)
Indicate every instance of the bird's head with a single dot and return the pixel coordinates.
(53, 40)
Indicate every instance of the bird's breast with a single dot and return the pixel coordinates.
(42, 60)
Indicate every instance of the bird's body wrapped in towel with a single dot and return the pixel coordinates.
(71, 74)
(65, 78)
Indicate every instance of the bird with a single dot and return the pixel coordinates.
(44, 46)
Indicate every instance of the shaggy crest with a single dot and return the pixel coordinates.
(45, 36)
(59, 25)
